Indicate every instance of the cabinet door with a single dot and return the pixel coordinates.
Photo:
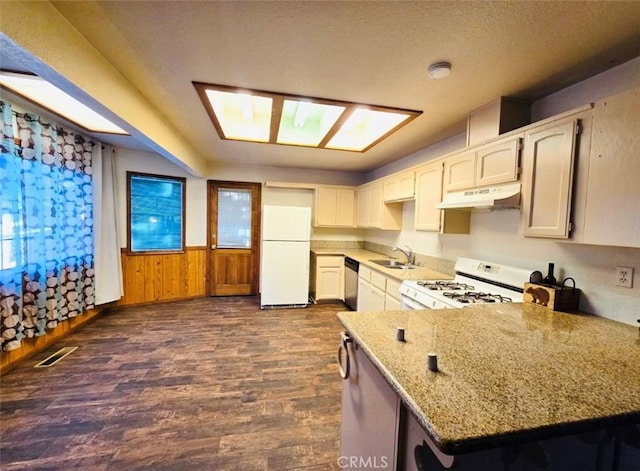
(375, 205)
(370, 417)
(345, 207)
(406, 185)
(428, 194)
(363, 207)
(399, 187)
(612, 215)
(334, 207)
(376, 299)
(326, 201)
(364, 296)
(391, 303)
(498, 163)
(460, 171)
(547, 169)
(329, 283)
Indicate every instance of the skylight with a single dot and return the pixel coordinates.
(275, 118)
(42, 93)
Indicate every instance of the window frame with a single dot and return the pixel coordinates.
(172, 178)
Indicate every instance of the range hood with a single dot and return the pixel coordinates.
(495, 197)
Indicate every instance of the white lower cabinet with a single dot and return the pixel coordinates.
(392, 298)
(377, 291)
(370, 293)
(327, 277)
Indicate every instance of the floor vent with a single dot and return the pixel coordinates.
(56, 357)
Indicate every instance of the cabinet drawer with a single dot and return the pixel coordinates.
(379, 280)
(364, 273)
(330, 261)
(393, 288)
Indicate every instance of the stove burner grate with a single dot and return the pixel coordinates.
(469, 297)
(445, 285)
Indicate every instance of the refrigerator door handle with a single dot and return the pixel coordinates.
(344, 341)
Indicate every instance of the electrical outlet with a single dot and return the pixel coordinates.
(624, 277)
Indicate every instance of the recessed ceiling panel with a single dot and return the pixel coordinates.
(304, 123)
(364, 128)
(277, 118)
(242, 116)
(42, 93)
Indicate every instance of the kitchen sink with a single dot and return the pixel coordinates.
(390, 263)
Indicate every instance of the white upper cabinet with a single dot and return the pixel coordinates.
(335, 206)
(547, 179)
(399, 186)
(362, 197)
(373, 212)
(490, 164)
(498, 162)
(460, 171)
(428, 194)
(612, 202)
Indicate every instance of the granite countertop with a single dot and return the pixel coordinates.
(508, 373)
(365, 257)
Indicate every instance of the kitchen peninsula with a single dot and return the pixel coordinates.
(508, 375)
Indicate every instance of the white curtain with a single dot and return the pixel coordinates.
(107, 250)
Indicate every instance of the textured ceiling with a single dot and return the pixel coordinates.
(370, 52)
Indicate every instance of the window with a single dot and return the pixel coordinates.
(156, 213)
(234, 218)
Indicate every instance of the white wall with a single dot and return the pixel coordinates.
(495, 235)
(196, 221)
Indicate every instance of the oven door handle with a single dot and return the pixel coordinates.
(344, 347)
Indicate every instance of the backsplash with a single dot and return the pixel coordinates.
(336, 244)
(439, 264)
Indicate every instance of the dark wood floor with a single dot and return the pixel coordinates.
(207, 384)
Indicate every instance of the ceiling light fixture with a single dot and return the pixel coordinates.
(298, 120)
(439, 70)
(45, 95)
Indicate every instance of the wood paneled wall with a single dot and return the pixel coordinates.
(32, 346)
(156, 277)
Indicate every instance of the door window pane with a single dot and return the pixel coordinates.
(234, 218)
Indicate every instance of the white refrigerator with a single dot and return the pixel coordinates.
(284, 269)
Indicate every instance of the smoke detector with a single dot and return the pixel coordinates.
(439, 70)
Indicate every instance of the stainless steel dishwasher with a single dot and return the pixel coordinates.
(351, 267)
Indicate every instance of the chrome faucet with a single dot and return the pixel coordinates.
(407, 253)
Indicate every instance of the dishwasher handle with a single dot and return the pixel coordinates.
(343, 351)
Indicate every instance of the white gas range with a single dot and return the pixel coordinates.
(476, 281)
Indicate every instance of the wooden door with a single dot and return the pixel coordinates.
(548, 179)
(234, 238)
